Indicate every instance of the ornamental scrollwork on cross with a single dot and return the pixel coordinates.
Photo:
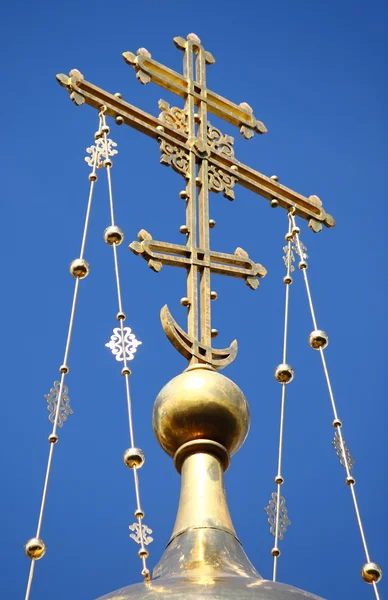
(219, 181)
(219, 141)
(173, 116)
(174, 157)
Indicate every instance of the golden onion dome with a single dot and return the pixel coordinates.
(200, 418)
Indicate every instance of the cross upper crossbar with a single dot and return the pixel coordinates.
(148, 70)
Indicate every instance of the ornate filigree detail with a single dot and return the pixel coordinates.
(140, 533)
(271, 511)
(303, 254)
(219, 181)
(173, 116)
(130, 344)
(52, 403)
(174, 157)
(338, 448)
(220, 142)
(288, 258)
(98, 152)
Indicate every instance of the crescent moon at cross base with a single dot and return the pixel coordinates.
(188, 347)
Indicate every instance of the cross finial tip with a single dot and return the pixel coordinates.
(143, 52)
(76, 73)
(246, 106)
(193, 36)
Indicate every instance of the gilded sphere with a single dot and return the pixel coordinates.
(79, 268)
(318, 339)
(371, 572)
(113, 235)
(35, 548)
(134, 457)
(284, 373)
(200, 403)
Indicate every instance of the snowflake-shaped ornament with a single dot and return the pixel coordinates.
(139, 534)
(127, 344)
(55, 395)
(271, 511)
(288, 258)
(98, 152)
(348, 459)
(303, 254)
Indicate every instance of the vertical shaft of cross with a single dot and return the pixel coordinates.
(191, 206)
(204, 235)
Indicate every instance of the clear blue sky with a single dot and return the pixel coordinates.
(315, 73)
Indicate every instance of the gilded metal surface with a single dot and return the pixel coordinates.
(210, 588)
(204, 261)
(134, 457)
(35, 548)
(202, 502)
(53, 398)
(192, 162)
(272, 510)
(318, 339)
(173, 116)
(219, 141)
(175, 157)
(344, 460)
(200, 404)
(204, 560)
(371, 572)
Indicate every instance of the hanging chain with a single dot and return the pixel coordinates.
(276, 509)
(123, 345)
(371, 572)
(58, 401)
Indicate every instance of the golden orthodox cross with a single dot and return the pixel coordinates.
(205, 158)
